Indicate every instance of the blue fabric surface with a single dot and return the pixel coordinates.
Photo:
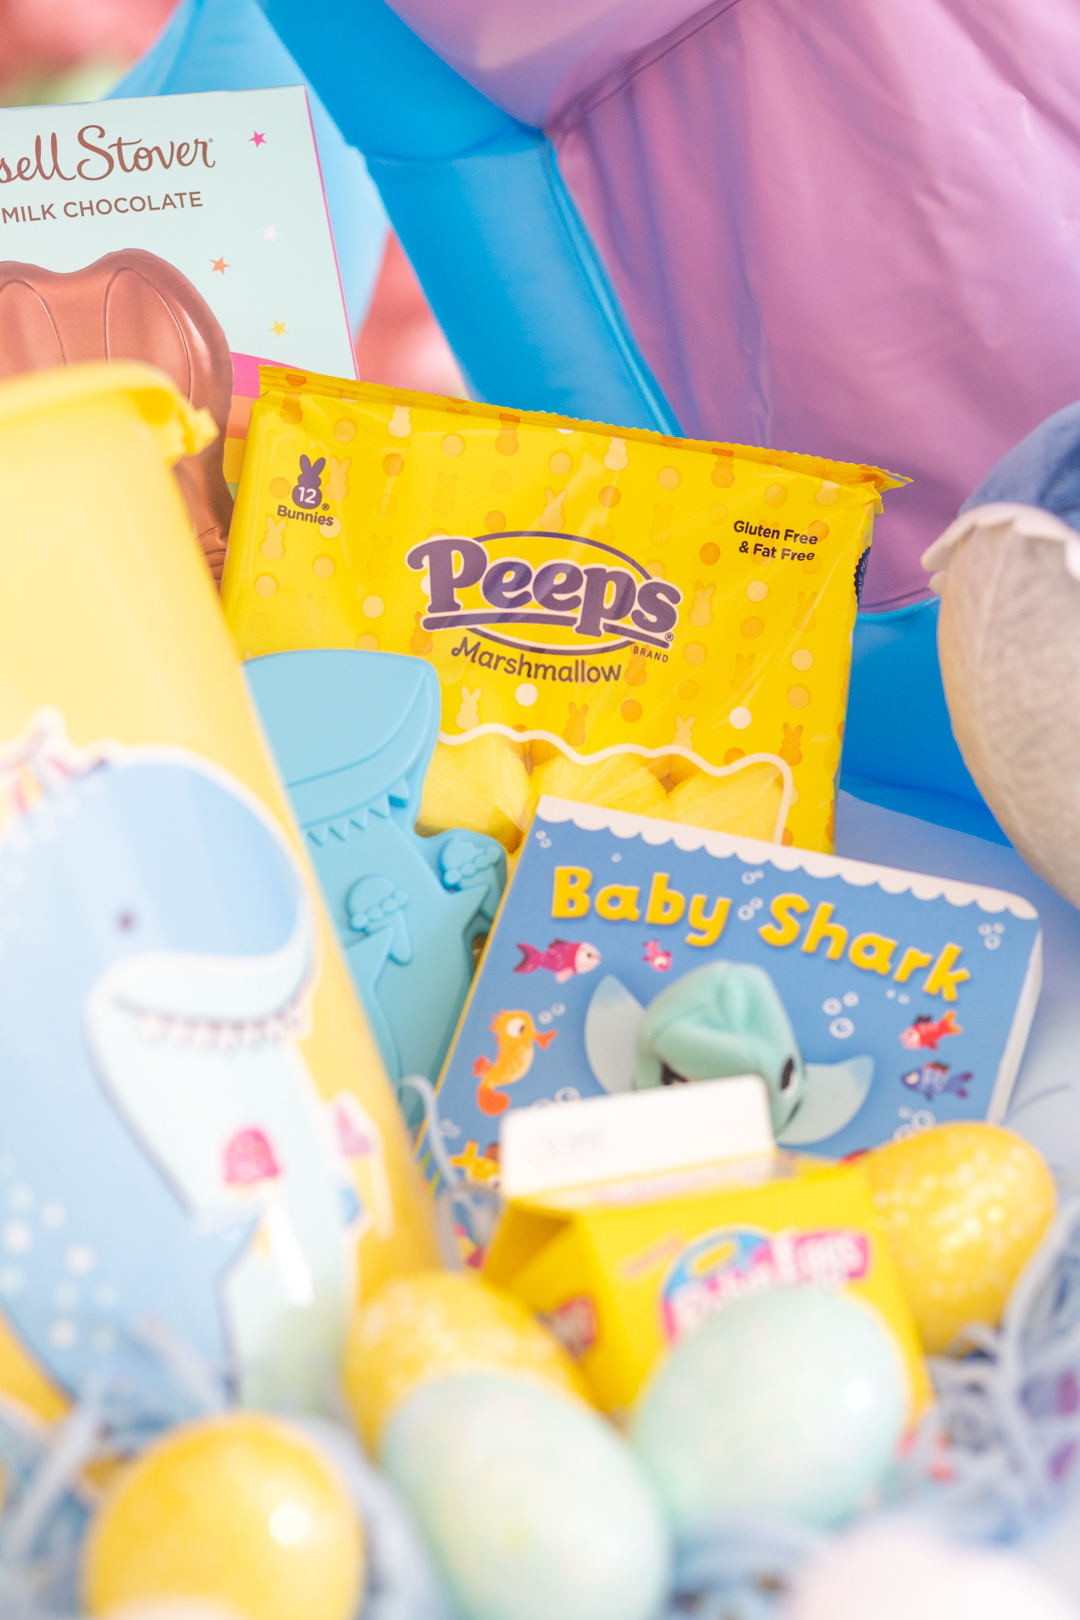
(478, 203)
(229, 45)
(1042, 470)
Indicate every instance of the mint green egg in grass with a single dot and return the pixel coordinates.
(533, 1504)
(789, 1403)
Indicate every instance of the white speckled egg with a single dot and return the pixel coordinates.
(789, 1403)
(534, 1506)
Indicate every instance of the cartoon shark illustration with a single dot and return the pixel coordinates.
(924, 1033)
(934, 1080)
(164, 1155)
(562, 957)
(721, 1020)
(657, 957)
(515, 1036)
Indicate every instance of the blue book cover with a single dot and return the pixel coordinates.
(631, 952)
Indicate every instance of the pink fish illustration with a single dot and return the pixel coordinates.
(657, 958)
(562, 957)
(924, 1033)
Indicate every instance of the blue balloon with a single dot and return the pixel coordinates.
(229, 45)
(481, 209)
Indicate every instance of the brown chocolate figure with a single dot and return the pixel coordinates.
(130, 306)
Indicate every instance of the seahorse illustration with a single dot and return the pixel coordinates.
(468, 715)
(515, 1036)
(575, 730)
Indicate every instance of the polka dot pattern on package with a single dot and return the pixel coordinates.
(637, 620)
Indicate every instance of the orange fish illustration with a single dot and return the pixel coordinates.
(515, 1035)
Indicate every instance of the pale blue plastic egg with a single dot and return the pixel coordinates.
(789, 1403)
(534, 1506)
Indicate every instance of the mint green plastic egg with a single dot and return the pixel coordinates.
(535, 1507)
(790, 1403)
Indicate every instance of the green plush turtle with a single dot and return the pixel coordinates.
(723, 1019)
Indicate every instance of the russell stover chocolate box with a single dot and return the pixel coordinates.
(187, 231)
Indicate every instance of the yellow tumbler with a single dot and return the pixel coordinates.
(201, 1160)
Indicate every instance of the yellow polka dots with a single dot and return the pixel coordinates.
(295, 379)
(731, 630)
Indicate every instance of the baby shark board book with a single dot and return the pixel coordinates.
(631, 952)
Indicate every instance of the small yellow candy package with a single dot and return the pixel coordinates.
(635, 621)
(631, 1219)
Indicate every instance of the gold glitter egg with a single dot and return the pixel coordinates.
(963, 1208)
(437, 1324)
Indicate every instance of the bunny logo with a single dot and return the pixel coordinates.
(307, 490)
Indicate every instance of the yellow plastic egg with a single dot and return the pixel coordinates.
(436, 1324)
(240, 1510)
(963, 1206)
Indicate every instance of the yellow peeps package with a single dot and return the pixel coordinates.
(645, 623)
(623, 1269)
